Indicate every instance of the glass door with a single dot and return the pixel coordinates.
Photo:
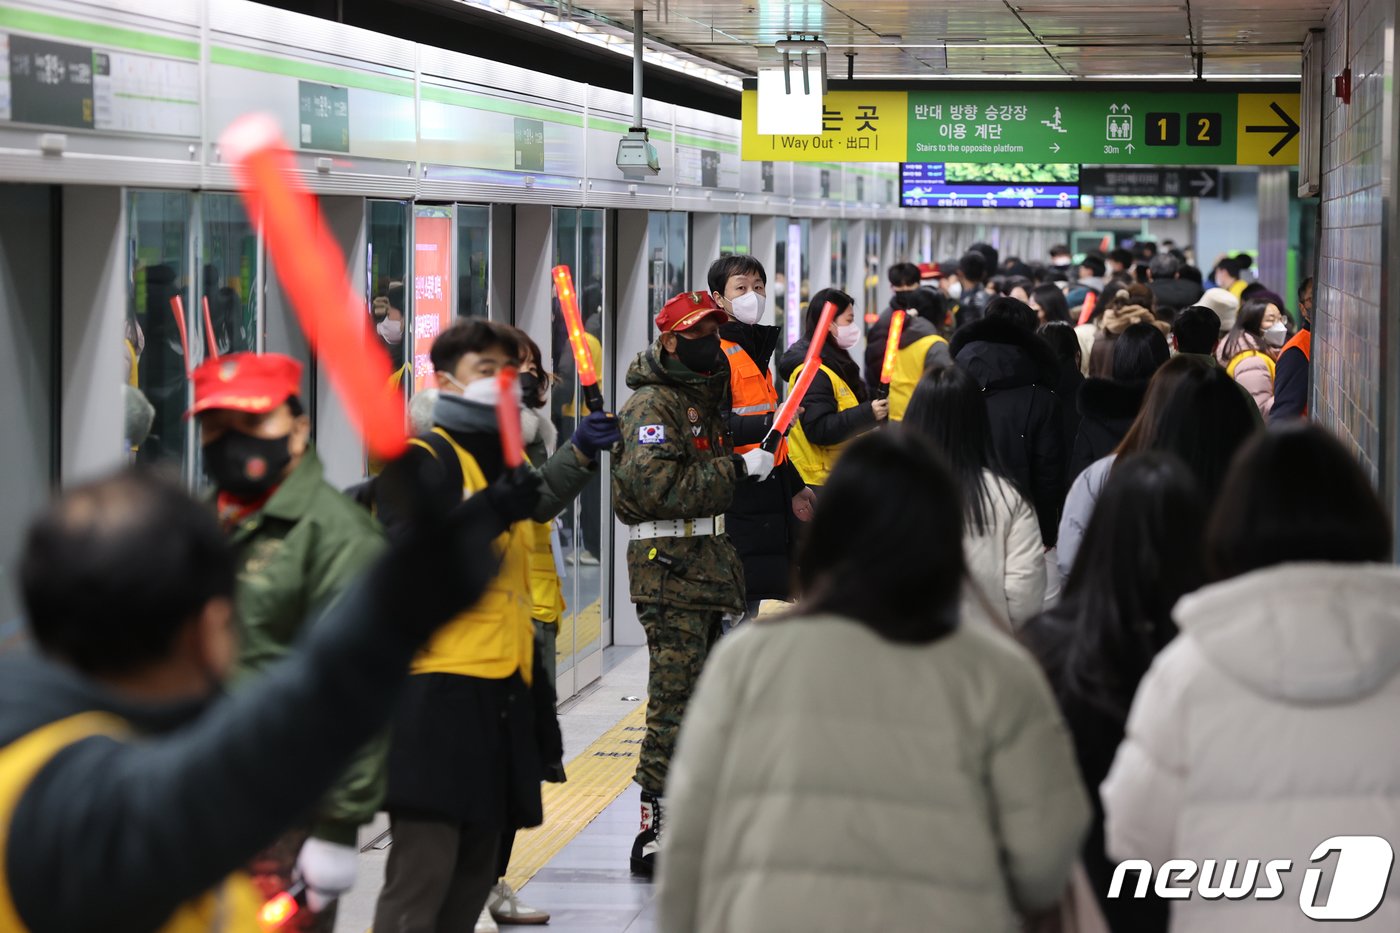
(579, 243)
(667, 246)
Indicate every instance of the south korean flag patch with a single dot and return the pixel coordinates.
(651, 434)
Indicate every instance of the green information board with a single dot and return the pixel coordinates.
(529, 145)
(325, 117)
(1103, 127)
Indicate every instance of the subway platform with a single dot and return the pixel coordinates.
(576, 865)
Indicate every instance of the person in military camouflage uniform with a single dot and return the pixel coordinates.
(299, 543)
(672, 483)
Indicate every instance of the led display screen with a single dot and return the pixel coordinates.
(967, 184)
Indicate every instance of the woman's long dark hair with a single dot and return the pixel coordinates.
(1138, 353)
(1140, 554)
(1204, 422)
(1262, 519)
(1064, 341)
(1143, 431)
(833, 356)
(890, 488)
(1052, 303)
(1250, 321)
(947, 407)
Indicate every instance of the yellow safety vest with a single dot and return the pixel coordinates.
(908, 370)
(545, 590)
(814, 461)
(230, 908)
(495, 638)
(570, 409)
(1239, 358)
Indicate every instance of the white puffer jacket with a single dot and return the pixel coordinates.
(1006, 562)
(828, 779)
(1268, 726)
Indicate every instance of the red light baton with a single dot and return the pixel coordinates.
(312, 270)
(282, 907)
(177, 308)
(583, 357)
(810, 366)
(209, 329)
(508, 419)
(891, 352)
(1086, 311)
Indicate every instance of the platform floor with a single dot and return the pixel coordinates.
(585, 884)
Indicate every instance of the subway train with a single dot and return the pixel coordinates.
(459, 180)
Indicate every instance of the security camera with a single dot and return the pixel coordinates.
(636, 156)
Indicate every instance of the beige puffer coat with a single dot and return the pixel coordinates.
(828, 779)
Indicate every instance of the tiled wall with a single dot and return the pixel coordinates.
(1347, 357)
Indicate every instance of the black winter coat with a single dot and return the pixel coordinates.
(1096, 734)
(1017, 372)
(821, 422)
(1067, 391)
(1107, 409)
(760, 522)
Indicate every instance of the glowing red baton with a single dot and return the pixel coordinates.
(1087, 310)
(891, 352)
(281, 908)
(312, 270)
(810, 366)
(177, 308)
(508, 419)
(583, 357)
(209, 329)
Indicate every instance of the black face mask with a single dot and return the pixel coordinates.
(530, 394)
(246, 466)
(700, 355)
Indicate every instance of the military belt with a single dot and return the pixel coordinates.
(678, 528)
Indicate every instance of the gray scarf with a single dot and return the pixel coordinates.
(457, 414)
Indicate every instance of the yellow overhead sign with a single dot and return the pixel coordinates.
(857, 126)
(1268, 129)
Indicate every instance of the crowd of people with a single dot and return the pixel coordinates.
(1055, 603)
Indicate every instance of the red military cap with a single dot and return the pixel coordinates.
(686, 310)
(929, 270)
(249, 382)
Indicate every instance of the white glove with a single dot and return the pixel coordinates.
(758, 463)
(328, 869)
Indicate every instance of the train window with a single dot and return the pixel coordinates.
(386, 246)
(473, 254)
(228, 273)
(155, 339)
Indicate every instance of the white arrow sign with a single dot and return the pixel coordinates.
(1129, 147)
(1204, 183)
(1113, 108)
(1127, 109)
(1054, 147)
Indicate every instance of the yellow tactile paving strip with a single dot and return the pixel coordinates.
(590, 631)
(596, 778)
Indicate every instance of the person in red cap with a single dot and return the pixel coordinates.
(672, 483)
(298, 543)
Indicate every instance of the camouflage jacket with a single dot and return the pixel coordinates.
(676, 462)
(295, 555)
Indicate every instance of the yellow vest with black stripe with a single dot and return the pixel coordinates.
(495, 638)
(908, 370)
(815, 461)
(230, 908)
(545, 590)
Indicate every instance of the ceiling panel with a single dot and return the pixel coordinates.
(993, 37)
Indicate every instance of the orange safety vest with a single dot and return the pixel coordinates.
(752, 393)
(1303, 341)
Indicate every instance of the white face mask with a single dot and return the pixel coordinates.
(1276, 335)
(748, 307)
(955, 289)
(848, 335)
(486, 391)
(390, 330)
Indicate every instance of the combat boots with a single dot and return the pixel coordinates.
(648, 842)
